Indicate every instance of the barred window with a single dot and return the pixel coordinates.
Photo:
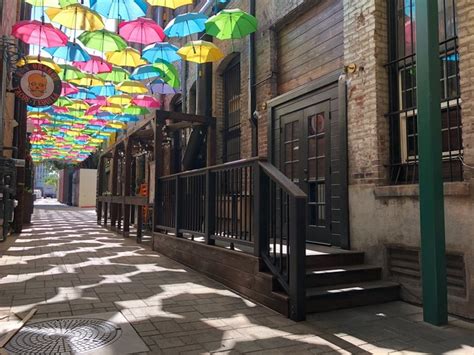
(403, 105)
(231, 134)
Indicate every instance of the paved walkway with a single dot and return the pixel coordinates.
(65, 264)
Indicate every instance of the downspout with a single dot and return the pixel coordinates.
(252, 87)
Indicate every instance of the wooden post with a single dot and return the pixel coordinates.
(259, 193)
(127, 186)
(114, 172)
(210, 213)
(139, 224)
(106, 213)
(158, 155)
(99, 189)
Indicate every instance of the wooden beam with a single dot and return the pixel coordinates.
(184, 117)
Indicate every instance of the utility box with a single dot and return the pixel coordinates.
(84, 184)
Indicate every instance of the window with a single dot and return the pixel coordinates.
(403, 105)
(231, 134)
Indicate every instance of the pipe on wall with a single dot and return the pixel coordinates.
(252, 102)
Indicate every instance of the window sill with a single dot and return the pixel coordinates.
(456, 189)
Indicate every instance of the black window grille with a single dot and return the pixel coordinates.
(403, 105)
(231, 134)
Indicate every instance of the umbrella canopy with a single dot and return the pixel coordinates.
(172, 4)
(39, 33)
(83, 94)
(103, 40)
(125, 10)
(105, 90)
(161, 52)
(68, 72)
(59, 109)
(146, 72)
(70, 52)
(158, 86)
(171, 75)
(78, 105)
(112, 108)
(94, 65)
(63, 101)
(120, 99)
(146, 101)
(98, 100)
(30, 59)
(117, 75)
(186, 24)
(142, 30)
(231, 24)
(67, 89)
(76, 17)
(136, 110)
(126, 118)
(200, 52)
(132, 87)
(128, 57)
(45, 3)
(88, 80)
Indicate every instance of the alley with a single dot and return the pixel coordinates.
(65, 265)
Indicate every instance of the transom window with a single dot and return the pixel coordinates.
(403, 105)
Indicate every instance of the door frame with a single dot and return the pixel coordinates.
(315, 92)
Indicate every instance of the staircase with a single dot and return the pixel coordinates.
(340, 279)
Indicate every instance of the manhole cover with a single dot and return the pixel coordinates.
(67, 335)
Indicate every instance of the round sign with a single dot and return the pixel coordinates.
(37, 85)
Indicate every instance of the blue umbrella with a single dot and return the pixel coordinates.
(105, 90)
(126, 118)
(126, 10)
(71, 52)
(45, 109)
(186, 24)
(161, 51)
(83, 94)
(105, 115)
(146, 72)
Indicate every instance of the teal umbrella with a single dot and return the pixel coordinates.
(231, 24)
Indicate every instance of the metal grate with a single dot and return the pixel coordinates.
(403, 91)
(232, 104)
(64, 336)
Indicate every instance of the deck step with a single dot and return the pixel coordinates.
(345, 274)
(334, 259)
(327, 298)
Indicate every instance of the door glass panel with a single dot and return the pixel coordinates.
(291, 151)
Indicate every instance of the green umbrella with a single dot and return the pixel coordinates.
(64, 3)
(231, 24)
(63, 101)
(170, 71)
(68, 72)
(117, 75)
(102, 40)
(136, 110)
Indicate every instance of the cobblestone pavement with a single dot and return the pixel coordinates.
(64, 265)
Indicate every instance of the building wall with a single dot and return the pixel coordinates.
(382, 216)
(87, 183)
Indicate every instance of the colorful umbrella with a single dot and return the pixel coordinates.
(158, 86)
(39, 33)
(200, 52)
(83, 94)
(30, 59)
(146, 72)
(142, 30)
(117, 75)
(44, 3)
(70, 52)
(78, 105)
(171, 75)
(103, 40)
(186, 24)
(120, 99)
(146, 101)
(161, 52)
(94, 65)
(125, 10)
(136, 110)
(76, 17)
(88, 80)
(59, 109)
(112, 108)
(105, 90)
(231, 24)
(68, 72)
(172, 4)
(128, 57)
(127, 118)
(98, 100)
(68, 89)
(132, 87)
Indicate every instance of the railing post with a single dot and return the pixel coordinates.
(177, 207)
(210, 212)
(297, 255)
(259, 194)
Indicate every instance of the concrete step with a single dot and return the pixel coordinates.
(316, 277)
(327, 298)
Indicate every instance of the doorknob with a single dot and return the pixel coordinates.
(305, 171)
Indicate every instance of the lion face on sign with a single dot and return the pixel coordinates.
(37, 84)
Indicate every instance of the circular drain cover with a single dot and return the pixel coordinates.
(67, 335)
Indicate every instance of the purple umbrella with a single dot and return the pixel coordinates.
(158, 86)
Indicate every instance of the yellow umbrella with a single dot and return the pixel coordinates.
(128, 57)
(117, 125)
(88, 80)
(172, 4)
(132, 87)
(78, 105)
(45, 3)
(40, 115)
(112, 108)
(76, 16)
(200, 52)
(30, 59)
(120, 99)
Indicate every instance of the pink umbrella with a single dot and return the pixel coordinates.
(92, 110)
(94, 66)
(146, 101)
(142, 30)
(98, 122)
(67, 89)
(78, 125)
(60, 109)
(38, 121)
(99, 100)
(82, 137)
(39, 33)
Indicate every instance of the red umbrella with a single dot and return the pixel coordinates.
(142, 30)
(94, 66)
(68, 89)
(39, 33)
(93, 109)
(146, 101)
